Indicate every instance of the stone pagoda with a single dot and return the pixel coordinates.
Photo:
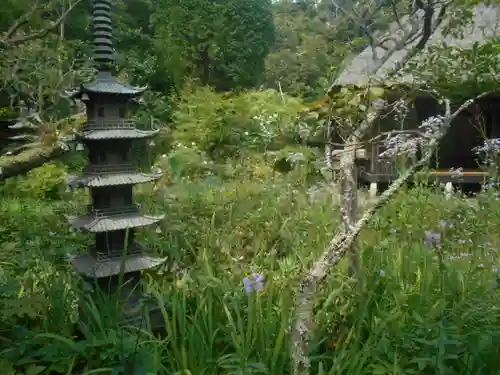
(116, 259)
(15, 132)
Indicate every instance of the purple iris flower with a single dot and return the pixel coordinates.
(253, 283)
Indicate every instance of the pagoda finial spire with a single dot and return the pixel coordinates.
(103, 40)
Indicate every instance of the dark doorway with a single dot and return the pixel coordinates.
(468, 131)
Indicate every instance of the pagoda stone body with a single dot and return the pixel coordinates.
(116, 259)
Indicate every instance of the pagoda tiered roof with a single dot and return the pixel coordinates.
(111, 175)
(106, 83)
(98, 135)
(14, 133)
(113, 180)
(102, 129)
(17, 124)
(110, 219)
(101, 265)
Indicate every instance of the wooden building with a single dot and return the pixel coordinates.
(469, 129)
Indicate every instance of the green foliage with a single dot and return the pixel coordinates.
(46, 182)
(7, 113)
(299, 158)
(223, 44)
(413, 315)
(230, 125)
(241, 195)
(418, 313)
(459, 73)
(189, 162)
(346, 107)
(309, 48)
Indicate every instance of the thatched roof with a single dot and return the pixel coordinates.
(484, 26)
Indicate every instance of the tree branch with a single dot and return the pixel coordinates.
(24, 162)
(22, 20)
(341, 243)
(392, 133)
(10, 41)
(35, 157)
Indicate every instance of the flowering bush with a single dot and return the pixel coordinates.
(489, 153)
(230, 125)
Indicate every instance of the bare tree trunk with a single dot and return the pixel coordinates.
(349, 200)
(22, 163)
(349, 172)
(10, 39)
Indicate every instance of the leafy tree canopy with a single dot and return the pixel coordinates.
(221, 43)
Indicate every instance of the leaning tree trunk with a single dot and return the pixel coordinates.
(25, 161)
(349, 199)
(347, 188)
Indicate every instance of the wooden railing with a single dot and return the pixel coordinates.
(111, 168)
(114, 211)
(132, 249)
(108, 125)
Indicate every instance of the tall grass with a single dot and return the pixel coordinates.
(421, 310)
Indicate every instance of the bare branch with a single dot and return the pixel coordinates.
(22, 20)
(417, 26)
(340, 245)
(361, 21)
(34, 157)
(378, 137)
(10, 41)
(392, 133)
(395, 12)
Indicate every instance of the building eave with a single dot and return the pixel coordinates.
(93, 224)
(106, 83)
(113, 179)
(363, 71)
(101, 135)
(88, 265)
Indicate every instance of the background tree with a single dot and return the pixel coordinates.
(222, 44)
(312, 40)
(36, 66)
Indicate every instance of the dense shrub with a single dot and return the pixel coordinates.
(226, 125)
(249, 133)
(46, 182)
